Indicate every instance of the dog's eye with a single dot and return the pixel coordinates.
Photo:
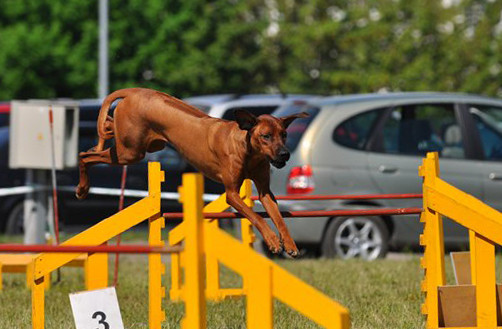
(266, 137)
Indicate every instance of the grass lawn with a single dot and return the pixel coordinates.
(380, 294)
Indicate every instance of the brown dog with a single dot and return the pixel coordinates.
(225, 151)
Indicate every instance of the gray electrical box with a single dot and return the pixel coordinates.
(30, 135)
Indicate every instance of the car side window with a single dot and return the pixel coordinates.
(421, 128)
(354, 132)
(489, 123)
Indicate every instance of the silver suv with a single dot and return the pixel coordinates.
(370, 144)
(223, 106)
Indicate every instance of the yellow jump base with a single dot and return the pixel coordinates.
(20, 263)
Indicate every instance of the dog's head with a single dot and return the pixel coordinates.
(267, 134)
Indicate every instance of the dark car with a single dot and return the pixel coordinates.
(4, 113)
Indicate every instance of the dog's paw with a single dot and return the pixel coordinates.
(81, 192)
(274, 244)
(290, 248)
(275, 250)
(293, 253)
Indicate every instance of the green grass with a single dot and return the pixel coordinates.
(380, 294)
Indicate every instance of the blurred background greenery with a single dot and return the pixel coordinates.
(48, 48)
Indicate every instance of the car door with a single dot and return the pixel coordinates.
(404, 137)
(488, 123)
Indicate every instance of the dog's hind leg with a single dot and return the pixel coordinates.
(108, 156)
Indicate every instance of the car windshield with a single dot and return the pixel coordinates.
(298, 126)
(489, 123)
(492, 120)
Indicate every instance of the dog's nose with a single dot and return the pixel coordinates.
(284, 155)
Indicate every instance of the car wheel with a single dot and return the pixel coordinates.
(15, 220)
(351, 237)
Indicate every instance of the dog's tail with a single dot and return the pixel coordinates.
(105, 122)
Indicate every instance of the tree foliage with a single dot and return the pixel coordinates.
(187, 47)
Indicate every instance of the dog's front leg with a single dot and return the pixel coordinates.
(268, 201)
(271, 239)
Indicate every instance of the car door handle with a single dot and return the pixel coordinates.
(494, 176)
(387, 169)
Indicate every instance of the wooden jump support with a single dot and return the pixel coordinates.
(475, 303)
(97, 267)
(263, 279)
(205, 245)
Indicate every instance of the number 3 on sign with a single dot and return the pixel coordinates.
(103, 318)
(96, 309)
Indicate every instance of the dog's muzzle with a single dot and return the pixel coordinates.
(280, 160)
(278, 164)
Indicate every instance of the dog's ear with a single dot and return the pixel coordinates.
(286, 121)
(245, 119)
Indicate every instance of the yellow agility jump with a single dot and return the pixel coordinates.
(472, 305)
(203, 242)
(263, 279)
(97, 267)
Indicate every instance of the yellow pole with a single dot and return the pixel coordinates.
(248, 238)
(486, 298)
(96, 271)
(213, 273)
(176, 283)
(259, 303)
(1, 282)
(175, 291)
(472, 251)
(193, 290)
(156, 292)
(433, 259)
(247, 233)
(37, 304)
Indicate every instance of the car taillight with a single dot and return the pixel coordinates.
(300, 180)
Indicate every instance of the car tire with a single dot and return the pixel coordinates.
(350, 237)
(15, 220)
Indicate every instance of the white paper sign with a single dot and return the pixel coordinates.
(96, 309)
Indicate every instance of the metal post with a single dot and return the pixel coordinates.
(35, 208)
(103, 49)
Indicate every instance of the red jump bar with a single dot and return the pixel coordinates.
(314, 213)
(346, 197)
(124, 249)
